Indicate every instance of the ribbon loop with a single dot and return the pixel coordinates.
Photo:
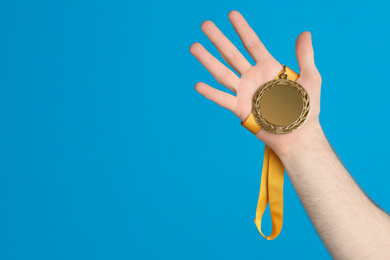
(271, 190)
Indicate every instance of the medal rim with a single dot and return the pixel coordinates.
(281, 129)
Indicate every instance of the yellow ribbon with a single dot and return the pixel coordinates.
(272, 178)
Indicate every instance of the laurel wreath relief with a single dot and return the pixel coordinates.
(276, 128)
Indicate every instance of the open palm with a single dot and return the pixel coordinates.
(252, 77)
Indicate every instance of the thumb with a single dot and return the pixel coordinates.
(305, 54)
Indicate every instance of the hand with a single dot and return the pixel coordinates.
(252, 77)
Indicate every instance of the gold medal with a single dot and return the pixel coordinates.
(281, 106)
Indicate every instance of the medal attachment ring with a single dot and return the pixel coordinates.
(281, 106)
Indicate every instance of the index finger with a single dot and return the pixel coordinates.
(248, 37)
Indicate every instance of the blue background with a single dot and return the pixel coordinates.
(108, 152)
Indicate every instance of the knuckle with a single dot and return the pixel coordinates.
(215, 96)
(304, 52)
(221, 76)
(252, 45)
(225, 102)
(317, 76)
(232, 55)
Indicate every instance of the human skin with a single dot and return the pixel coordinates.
(349, 224)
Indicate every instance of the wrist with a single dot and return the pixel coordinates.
(310, 139)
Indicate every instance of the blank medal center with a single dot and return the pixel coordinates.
(281, 105)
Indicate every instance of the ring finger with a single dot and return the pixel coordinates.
(220, 72)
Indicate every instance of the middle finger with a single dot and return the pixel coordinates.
(225, 47)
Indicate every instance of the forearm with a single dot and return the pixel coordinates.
(348, 223)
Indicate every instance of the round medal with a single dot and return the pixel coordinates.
(281, 106)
